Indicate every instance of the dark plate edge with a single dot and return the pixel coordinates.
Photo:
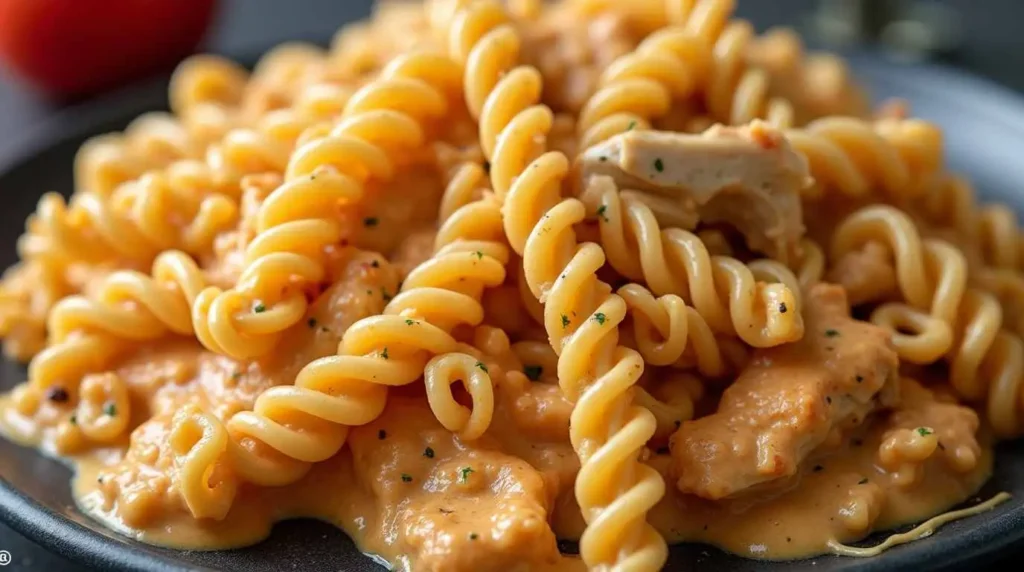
(81, 544)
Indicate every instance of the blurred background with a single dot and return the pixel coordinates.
(40, 84)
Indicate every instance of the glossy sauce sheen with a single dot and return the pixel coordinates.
(402, 491)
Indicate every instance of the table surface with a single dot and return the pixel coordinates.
(993, 47)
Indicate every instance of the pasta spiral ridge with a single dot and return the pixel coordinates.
(291, 427)
(86, 333)
(952, 203)
(439, 375)
(594, 370)
(723, 290)
(297, 222)
(640, 86)
(851, 158)
(738, 93)
(931, 274)
(986, 362)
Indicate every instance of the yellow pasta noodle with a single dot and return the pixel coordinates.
(617, 533)
(484, 276)
(322, 175)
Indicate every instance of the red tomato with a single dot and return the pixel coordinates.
(74, 47)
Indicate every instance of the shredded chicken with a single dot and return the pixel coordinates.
(788, 401)
(748, 177)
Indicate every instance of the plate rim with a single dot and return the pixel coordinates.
(81, 544)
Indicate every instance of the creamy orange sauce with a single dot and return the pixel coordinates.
(842, 493)
(412, 493)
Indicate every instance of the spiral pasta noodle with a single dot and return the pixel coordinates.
(723, 290)
(438, 376)
(535, 221)
(662, 324)
(932, 276)
(86, 334)
(295, 426)
(323, 175)
(851, 158)
(737, 93)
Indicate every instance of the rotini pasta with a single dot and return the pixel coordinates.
(323, 175)
(617, 533)
(485, 274)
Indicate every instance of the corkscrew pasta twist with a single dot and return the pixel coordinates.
(87, 333)
(670, 64)
(582, 317)
(291, 427)
(206, 79)
(723, 290)
(931, 274)
(439, 375)
(986, 362)
(299, 219)
(993, 228)
(850, 157)
(738, 93)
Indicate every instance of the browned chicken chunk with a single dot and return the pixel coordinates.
(748, 177)
(787, 401)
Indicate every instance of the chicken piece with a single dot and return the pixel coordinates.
(867, 275)
(788, 401)
(450, 505)
(748, 177)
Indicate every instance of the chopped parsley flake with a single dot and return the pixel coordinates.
(428, 453)
(384, 354)
(410, 322)
(830, 333)
(601, 210)
(631, 126)
(370, 221)
(924, 431)
(481, 365)
(565, 321)
(73, 419)
(259, 308)
(659, 166)
(600, 318)
(464, 473)
(533, 372)
(110, 410)
(406, 478)
(479, 255)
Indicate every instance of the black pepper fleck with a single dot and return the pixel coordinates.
(57, 394)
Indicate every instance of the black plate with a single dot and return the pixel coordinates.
(985, 135)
